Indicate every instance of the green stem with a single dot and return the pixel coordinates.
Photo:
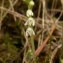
(33, 48)
(32, 44)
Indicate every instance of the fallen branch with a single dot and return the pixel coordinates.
(20, 16)
(40, 48)
(14, 13)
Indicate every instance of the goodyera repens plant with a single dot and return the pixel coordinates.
(30, 22)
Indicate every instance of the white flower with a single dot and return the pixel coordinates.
(31, 3)
(30, 32)
(30, 22)
(29, 13)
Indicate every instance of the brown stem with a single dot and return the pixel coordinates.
(40, 48)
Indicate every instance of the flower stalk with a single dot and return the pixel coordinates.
(30, 23)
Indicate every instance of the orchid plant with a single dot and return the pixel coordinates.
(30, 23)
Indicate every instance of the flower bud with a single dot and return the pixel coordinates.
(31, 3)
(29, 13)
(30, 22)
(30, 32)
